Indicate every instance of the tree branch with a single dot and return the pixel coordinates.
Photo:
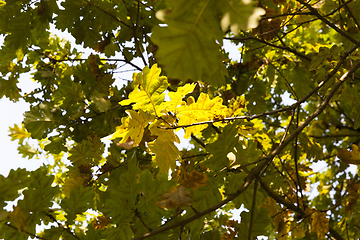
(289, 205)
(322, 18)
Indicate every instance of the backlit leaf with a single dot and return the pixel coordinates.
(149, 90)
(320, 224)
(133, 126)
(204, 109)
(164, 146)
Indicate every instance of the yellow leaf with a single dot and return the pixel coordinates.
(297, 230)
(176, 197)
(133, 127)
(18, 218)
(202, 110)
(71, 183)
(18, 133)
(177, 98)
(236, 106)
(280, 226)
(163, 147)
(320, 224)
(149, 90)
(271, 206)
(352, 157)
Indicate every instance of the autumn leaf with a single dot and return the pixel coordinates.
(194, 180)
(132, 127)
(177, 98)
(149, 90)
(101, 222)
(320, 224)
(164, 146)
(270, 205)
(94, 67)
(176, 197)
(20, 133)
(350, 157)
(204, 109)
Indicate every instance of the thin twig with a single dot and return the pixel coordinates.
(291, 107)
(106, 12)
(330, 24)
(62, 226)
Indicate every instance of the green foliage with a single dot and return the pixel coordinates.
(115, 168)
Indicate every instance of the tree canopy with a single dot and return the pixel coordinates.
(115, 169)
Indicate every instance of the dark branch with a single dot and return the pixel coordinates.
(330, 24)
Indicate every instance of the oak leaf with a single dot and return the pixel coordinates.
(163, 147)
(132, 127)
(350, 157)
(100, 222)
(194, 180)
(204, 109)
(20, 133)
(176, 197)
(71, 183)
(149, 90)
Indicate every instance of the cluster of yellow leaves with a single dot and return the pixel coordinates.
(350, 157)
(133, 127)
(151, 113)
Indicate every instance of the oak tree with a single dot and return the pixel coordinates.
(115, 168)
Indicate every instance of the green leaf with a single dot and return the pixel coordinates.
(27, 151)
(41, 120)
(101, 103)
(9, 89)
(121, 232)
(9, 186)
(187, 46)
(239, 15)
(224, 145)
(78, 202)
